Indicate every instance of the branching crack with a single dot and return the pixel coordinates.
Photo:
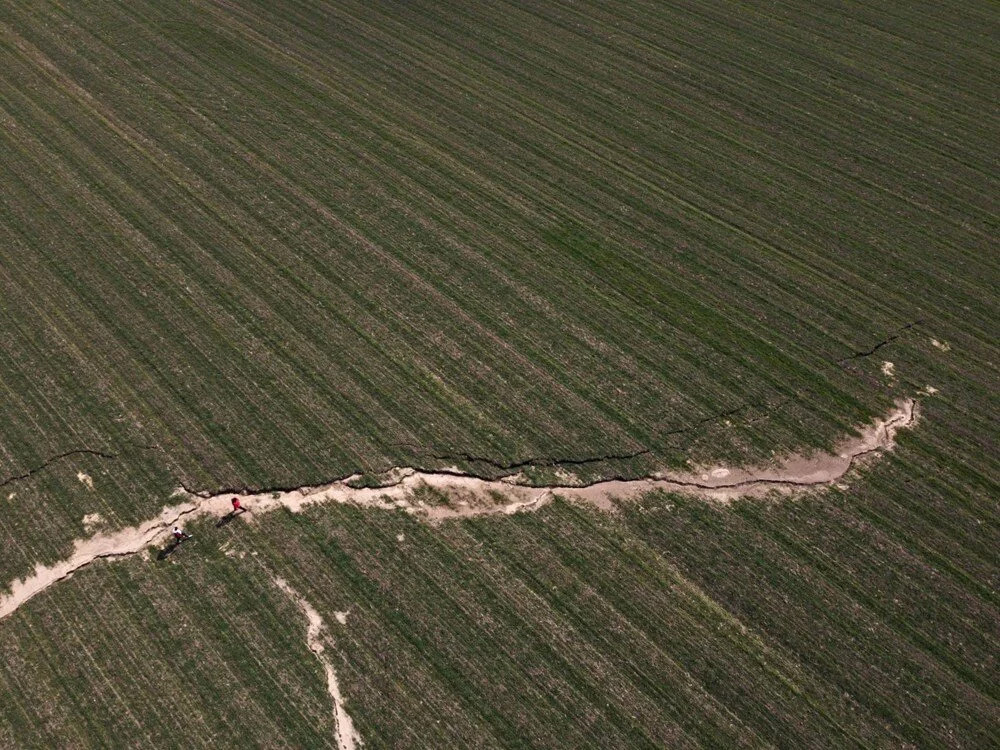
(491, 496)
(885, 431)
(511, 466)
(553, 461)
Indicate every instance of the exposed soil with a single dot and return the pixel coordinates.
(347, 736)
(91, 521)
(475, 496)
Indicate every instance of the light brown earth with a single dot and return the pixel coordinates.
(347, 736)
(472, 496)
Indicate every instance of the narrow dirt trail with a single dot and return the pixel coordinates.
(347, 736)
(471, 496)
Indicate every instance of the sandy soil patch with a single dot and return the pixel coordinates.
(91, 521)
(567, 478)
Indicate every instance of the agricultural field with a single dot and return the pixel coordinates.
(248, 247)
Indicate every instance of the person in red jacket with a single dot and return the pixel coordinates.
(237, 508)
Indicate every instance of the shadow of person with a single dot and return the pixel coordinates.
(225, 519)
(166, 551)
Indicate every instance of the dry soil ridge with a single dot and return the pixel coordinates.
(475, 496)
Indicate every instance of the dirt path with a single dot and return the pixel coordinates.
(347, 736)
(471, 496)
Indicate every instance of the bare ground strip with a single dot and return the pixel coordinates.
(470, 496)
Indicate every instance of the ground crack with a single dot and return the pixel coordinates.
(465, 495)
(551, 461)
(885, 342)
(69, 454)
(55, 459)
(539, 462)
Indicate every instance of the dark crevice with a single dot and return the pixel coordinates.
(540, 462)
(513, 466)
(902, 420)
(251, 490)
(552, 461)
(75, 452)
(140, 537)
(54, 459)
(885, 342)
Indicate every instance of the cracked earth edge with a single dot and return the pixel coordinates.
(470, 496)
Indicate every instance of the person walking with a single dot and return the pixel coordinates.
(179, 534)
(237, 508)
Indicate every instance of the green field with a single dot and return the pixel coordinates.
(260, 245)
